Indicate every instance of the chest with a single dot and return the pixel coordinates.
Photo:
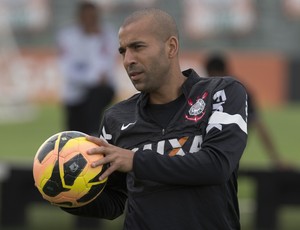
(172, 130)
(81, 45)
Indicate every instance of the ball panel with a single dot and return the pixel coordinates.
(95, 178)
(44, 170)
(92, 193)
(65, 137)
(46, 148)
(72, 169)
(54, 185)
(64, 204)
(70, 147)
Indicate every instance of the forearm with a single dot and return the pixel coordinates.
(109, 204)
(210, 165)
(212, 161)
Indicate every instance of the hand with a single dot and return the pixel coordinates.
(283, 165)
(118, 158)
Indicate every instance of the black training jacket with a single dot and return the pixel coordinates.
(184, 176)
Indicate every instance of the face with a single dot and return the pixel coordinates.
(144, 56)
(88, 18)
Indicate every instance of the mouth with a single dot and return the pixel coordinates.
(134, 76)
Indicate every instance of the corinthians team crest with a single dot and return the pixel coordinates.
(197, 110)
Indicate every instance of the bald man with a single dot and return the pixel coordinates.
(174, 148)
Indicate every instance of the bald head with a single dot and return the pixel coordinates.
(162, 24)
(149, 46)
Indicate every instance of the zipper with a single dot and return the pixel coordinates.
(163, 131)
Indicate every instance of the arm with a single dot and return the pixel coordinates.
(221, 150)
(255, 121)
(269, 145)
(111, 202)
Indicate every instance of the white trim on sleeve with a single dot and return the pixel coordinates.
(220, 118)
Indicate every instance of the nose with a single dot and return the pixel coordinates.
(129, 58)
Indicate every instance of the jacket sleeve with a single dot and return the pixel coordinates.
(220, 152)
(110, 203)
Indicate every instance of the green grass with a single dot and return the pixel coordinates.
(20, 141)
(283, 126)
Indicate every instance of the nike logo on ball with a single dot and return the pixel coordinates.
(126, 126)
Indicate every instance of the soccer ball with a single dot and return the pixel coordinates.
(62, 170)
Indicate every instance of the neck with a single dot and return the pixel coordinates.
(168, 92)
(91, 29)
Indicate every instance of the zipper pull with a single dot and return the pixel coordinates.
(163, 131)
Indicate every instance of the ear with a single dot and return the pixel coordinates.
(172, 47)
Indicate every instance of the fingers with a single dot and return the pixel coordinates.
(107, 172)
(99, 150)
(97, 140)
(116, 163)
(109, 159)
(119, 159)
(102, 149)
(104, 160)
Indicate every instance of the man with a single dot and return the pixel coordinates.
(216, 66)
(173, 149)
(86, 59)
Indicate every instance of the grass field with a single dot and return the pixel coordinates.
(19, 142)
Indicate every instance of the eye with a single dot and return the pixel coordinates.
(138, 46)
(122, 51)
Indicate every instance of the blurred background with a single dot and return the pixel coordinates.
(260, 40)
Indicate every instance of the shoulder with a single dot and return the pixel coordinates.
(123, 112)
(227, 82)
(110, 34)
(196, 85)
(109, 28)
(67, 32)
(123, 107)
(227, 87)
(220, 81)
(215, 84)
(196, 81)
